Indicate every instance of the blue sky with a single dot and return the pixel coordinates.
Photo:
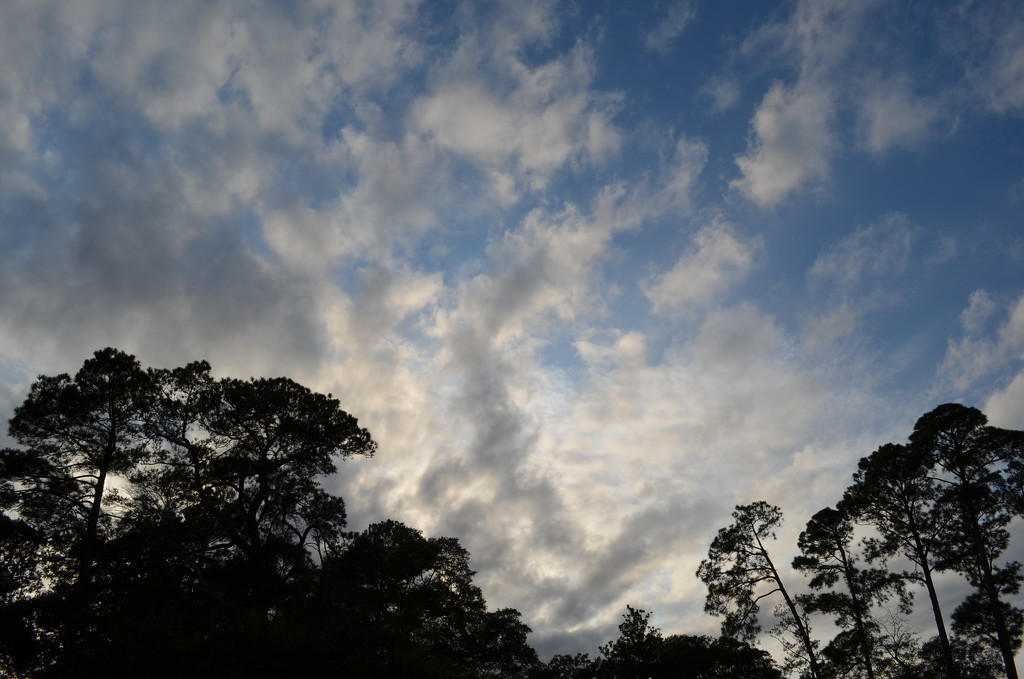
(592, 273)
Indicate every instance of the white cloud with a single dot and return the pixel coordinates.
(544, 119)
(400, 186)
(794, 137)
(990, 40)
(302, 238)
(721, 419)
(820, 331)
(679, 178)
(678, 15)
(890, 115)
(371, 42)
(1005, 407)
(718, 259)
(980, 309)
(43, 45)
(1006, 77)
(171, 69)
(983, 349)
(545, 269)
(792, 144)
(724, 93)
(823, 32)
(286, 68)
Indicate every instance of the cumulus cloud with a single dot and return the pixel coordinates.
(890, 115)
(984, 346)
(523, 122)
(718, 259)
(797, 131)
(822, 33)
(1005, 407)
(793, 138)
(666, 430)
(724, 94)
(545, 269)
(822, 330)
(792, 145)
(679, 177)
(473, 449)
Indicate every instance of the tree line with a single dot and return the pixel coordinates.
(167, 523)
(942, 503)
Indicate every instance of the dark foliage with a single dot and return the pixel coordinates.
(165, 523)
(219, 554)
(941, 503)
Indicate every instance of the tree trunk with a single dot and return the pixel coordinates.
(947, 652)
(87, 554)
(858, 619)
(805, 637)
(992, 594)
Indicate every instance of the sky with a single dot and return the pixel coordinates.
(592, 273)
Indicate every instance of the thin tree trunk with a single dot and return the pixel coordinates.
(992, 594)
(87, 554)
(858, 619)
(805, 637)
(947, 652)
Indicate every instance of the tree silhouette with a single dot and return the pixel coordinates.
(168, 520)
(413, 610)
(701, 657)
(893, 491)
(20, 579)
(217, 513)
(635, 654)
(972, 458)
(565, 666)
(78, 433)
(827, 554)
(641, 652)
(739, 574)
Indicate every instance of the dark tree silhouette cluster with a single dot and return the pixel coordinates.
(167, 523)
(941, 503)
(164, 523)
(641, 652)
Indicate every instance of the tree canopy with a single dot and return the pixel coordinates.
(171, 520)
(941, 503)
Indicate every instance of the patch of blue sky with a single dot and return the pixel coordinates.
(559, 355)
(342, 115)
(454, 250)
(250, 230)
(230, 94)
